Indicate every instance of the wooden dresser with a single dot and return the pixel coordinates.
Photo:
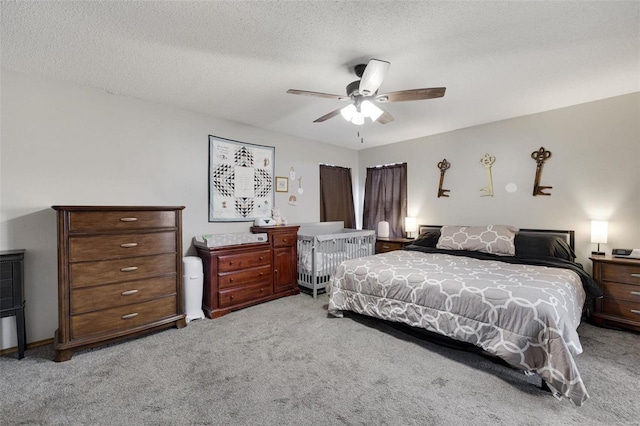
(119, 274)
(242, 275)
(619, 280)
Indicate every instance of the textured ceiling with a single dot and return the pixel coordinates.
(236, 60)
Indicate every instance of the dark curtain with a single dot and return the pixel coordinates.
(336, 195)
(385, 198)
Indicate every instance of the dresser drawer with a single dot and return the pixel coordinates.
(120, 220)
(284, 240)
(111, 271)
(628, 274)
(107, 296)
(235, 262)
(239, 295)
(122, 317)
(627, 292)
(621, 308)
(119, 246)
(246, 277)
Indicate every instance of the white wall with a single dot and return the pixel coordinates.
(65, 145)
(594, 171)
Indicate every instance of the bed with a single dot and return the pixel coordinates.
(518, 295)
(323, 246)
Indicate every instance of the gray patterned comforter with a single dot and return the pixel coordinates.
(525, 314)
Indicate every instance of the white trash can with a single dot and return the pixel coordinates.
(192, 281)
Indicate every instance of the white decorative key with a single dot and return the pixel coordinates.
(487, 161)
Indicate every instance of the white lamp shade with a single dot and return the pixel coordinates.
(370, 110)
(599, 231)
(410, 224)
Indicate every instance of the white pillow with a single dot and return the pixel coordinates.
(494, 239)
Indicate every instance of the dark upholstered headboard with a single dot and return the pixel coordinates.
(568, 236)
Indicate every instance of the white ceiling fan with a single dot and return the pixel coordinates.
(364, 95)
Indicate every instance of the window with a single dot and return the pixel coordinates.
(385, 197)
(336, 195)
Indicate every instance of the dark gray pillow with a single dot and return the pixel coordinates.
(427, 239)
(541, 246)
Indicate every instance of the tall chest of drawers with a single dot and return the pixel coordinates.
(619, 280)
(119, 274)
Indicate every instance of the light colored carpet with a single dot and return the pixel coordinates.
(286, 362)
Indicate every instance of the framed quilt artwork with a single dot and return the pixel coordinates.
(240, 180)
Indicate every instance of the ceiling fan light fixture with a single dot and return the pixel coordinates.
(370, 110)
(348, 112)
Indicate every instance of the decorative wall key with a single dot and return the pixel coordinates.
(540, 156)
(487, 161)
(443, 166)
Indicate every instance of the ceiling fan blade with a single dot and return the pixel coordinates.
(412, 95)
(385, 118)
(372, 76)
(317, 94)
(327, 116)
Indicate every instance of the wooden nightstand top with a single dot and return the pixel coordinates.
(395, 240)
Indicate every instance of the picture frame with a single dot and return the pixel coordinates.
(241, 180)
(282, 184)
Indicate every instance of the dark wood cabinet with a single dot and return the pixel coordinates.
(384, 245)
(284, 241)
(619, 280)
(11, 293)
(119, 274)
(237, 276)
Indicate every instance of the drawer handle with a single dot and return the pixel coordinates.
(284, 240)
(230, 280)
(635, 311)
(128, 219)
(635, 275)
(129, 269)
(635, 293)
(261, 258)
(128, 245)
(129, 316)
(230, 263)
(129, 292)
(261, 290)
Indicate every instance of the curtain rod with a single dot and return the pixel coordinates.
(386, 165)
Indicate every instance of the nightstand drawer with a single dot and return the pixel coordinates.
(627, 292)
(628, 274)
(385, 246)
(621, 308)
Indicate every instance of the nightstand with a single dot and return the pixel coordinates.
(11, 293)
(619, 280)
(384, 245)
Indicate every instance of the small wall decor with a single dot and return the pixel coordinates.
(282, 184)
(540, 156)
(487, 161)
(240, 180)
(292, 174)
(293, 201)
(300, 190)
(443, 166)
